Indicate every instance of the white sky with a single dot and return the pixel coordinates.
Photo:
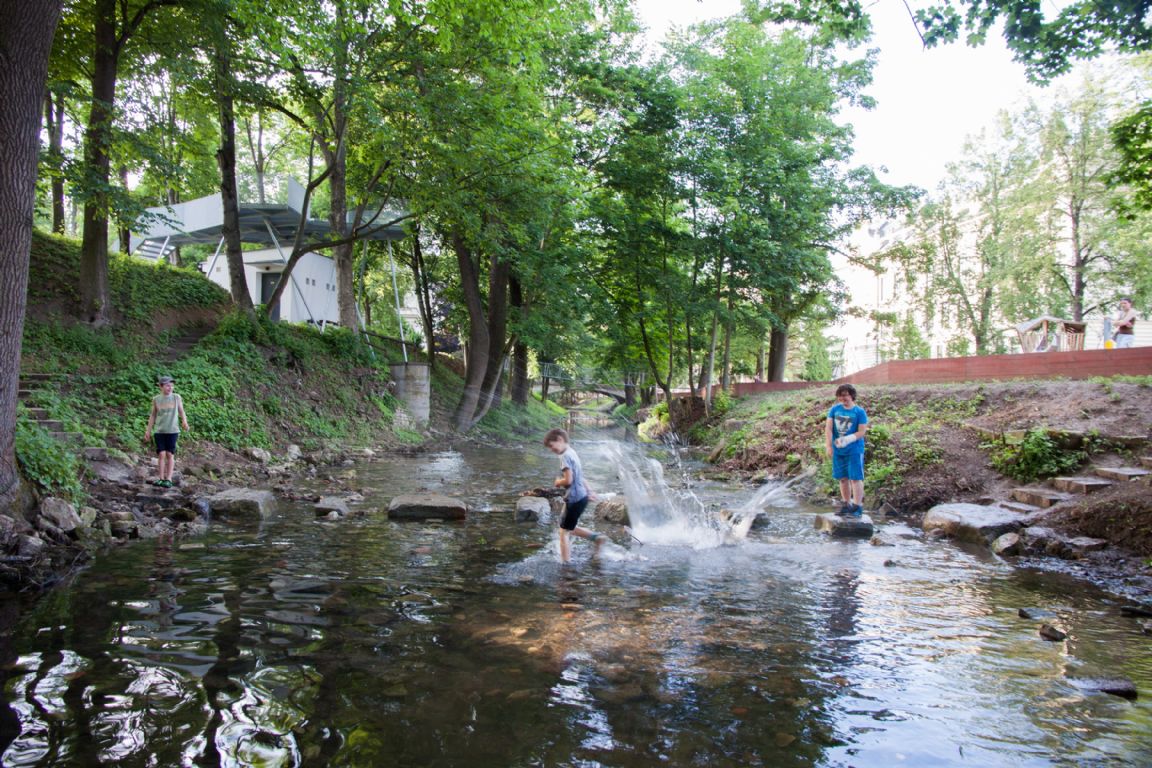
(928, 100)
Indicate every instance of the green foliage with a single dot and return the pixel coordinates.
(721, 401)
(46, 462)
(1037, 455)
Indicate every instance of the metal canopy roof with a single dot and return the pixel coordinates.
(202, 221)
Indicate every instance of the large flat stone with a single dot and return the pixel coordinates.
(1080, 484)
(329, 504)
(242, 501)
(427, 506)
(845, 527)
(971, 522)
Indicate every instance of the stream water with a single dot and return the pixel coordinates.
(365, 642)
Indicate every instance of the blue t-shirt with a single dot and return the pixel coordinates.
(845, 421)
(578, 490)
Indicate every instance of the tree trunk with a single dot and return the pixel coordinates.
(26, 31)
(777, 353)
(519, 388)
(726, 368)
(226, 160)
(476, 352)
(499, 274)
(123, 230)
(54, 122)
(342, 255)
(95, 302)
(423, 297)
(760, 360)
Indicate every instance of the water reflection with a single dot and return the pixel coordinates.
(367, 643)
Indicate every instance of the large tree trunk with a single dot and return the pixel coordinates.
(226, 159)
(26, 31)
(54, 123)
(777, 353)
(476, 352)
(95, 303)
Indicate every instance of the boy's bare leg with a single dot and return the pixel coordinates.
(846, 490)
(858, 492)
(597, 539)
(165, 467)
(564, 545)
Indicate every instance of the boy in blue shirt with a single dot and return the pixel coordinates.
(844, 432)
(578, 494)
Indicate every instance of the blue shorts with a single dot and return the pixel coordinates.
(848, 466)
(165, 441)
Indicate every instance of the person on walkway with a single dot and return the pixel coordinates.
(1125, 324)
(576, 500)
(166, 418)
(844, 431)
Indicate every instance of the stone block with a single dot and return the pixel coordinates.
(971, 522)
(1122, 474)
(1039, 497)
(60, 513)
(427, 506)
(242, 502)
(614, 510)
(1007, 545)
(532, 509)
(95, 454)
(845, 527)
(1080, 484)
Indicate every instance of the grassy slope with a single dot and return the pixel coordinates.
(923, 448)
(247, 384)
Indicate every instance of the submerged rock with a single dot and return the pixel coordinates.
(971, 522)
(331, 504)
(427, 506)
(1117, 686)
(242, 501)
(1035, 613)
(532, 509)
(1049, 632)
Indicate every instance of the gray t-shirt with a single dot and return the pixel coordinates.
(578, 490)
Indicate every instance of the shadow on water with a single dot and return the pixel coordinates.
(367, 642)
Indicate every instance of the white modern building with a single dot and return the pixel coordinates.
(311, 296)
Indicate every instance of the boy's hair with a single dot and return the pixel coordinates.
(846, 389)
(554, 435)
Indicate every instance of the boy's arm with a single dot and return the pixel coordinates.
(151, 420)
(183, 418)
(828, 435)
(565, 478)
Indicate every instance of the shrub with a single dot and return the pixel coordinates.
(46, 462)
(1036, 456)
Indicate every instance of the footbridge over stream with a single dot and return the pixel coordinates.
(612, 383)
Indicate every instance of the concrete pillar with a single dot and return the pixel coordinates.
(413, 390)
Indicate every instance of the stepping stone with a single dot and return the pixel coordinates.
(845, 527)
(242, 502)
(1123, 474)
(95, 454)
(1019, 506)
(1080, 484)
(1039, 497)
(971, 522)
(427, 506)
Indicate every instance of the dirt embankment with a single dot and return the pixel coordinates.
(942, 443)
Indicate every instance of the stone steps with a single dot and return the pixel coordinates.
(1082, 485)
(1039, 497)
(1146, 461)
(1122, 474)
(1019, 506)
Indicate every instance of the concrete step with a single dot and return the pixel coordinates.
(845, 527)
(40, 377)
(1019, 506)
(24, 393)
(1039, 497)
(37, 414)
(1146, 461)
(1080, 484)
(94, 453)
(1122, 474)
(52, 425)
(69, 438)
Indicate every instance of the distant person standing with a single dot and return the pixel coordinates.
(1125, 324)
(844, 431)
(166, 418)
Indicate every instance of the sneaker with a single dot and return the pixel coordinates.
(165, 483)
(845, 509)
(856, 511)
